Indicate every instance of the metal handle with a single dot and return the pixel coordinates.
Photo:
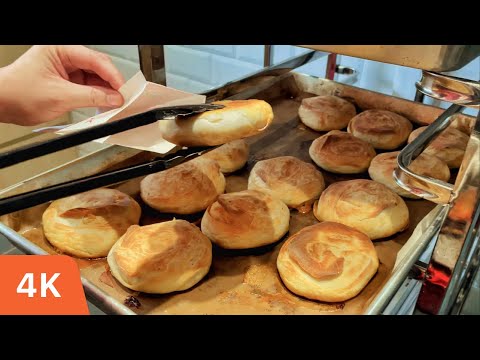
(450, 88)
(426, 187)
(72, 187)
(35, 150)
(54, 192)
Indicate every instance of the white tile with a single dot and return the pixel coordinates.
(185, 84)
(315, 68)
(188, 62)
(129, 52)
(404, 81)
(126, 67)
(282, 53)
(251, 53)
(351, 62)
(225, 50)
(297, 50)
(225, 69)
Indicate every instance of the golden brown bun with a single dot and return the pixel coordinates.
(287, 178)
(463, 123)
(382, 167)
(341, 152)
(383, 129)
(230, 157)
(87, 225)
(161, 258)
(327, 262)
(184, 189)
(325, 113)
(238, 119)
(365, 205)
(245, 219)
(449, 146)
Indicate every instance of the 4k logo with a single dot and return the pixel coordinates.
(31, 290)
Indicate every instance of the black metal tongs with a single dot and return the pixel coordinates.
(40, 196)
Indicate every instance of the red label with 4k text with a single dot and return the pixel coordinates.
(40, 285)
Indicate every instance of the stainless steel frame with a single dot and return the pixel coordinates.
(421, 240)
(439, 58)
(456, 225)
(456, 254)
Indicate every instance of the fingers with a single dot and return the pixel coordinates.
(94, 80)
(78, 96)
(80, 57)
(85, 78)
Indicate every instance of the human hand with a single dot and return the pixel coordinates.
(48, 81)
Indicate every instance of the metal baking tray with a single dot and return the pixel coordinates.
(439, 58)
(245, 282)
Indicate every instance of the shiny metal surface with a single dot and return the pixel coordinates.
(456, 256)
(439, 58)
(308, 83)
(421, 239)
(428, 188)
(449, 88)
(456, 253)
(402, 267)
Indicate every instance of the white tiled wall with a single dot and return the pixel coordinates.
(196, 68)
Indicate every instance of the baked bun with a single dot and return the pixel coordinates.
(238, 119)
(184, 189)
(245, 219)
(231, 156)
(341, 152)
(325, 113)
(87, 225)
(383, 129)
(365, 205)
(383, 165)
(327, 262)
(161, 258)
(449, 146)
(287, 178)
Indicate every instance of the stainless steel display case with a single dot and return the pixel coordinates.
(452, 236)
(438, 58)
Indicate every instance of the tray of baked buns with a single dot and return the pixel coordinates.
(295, 212)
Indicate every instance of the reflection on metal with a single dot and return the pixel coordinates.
(419, 96)
(152, 63)
(456, 253)
(449, 88)
(438, 58)
(423, 186)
